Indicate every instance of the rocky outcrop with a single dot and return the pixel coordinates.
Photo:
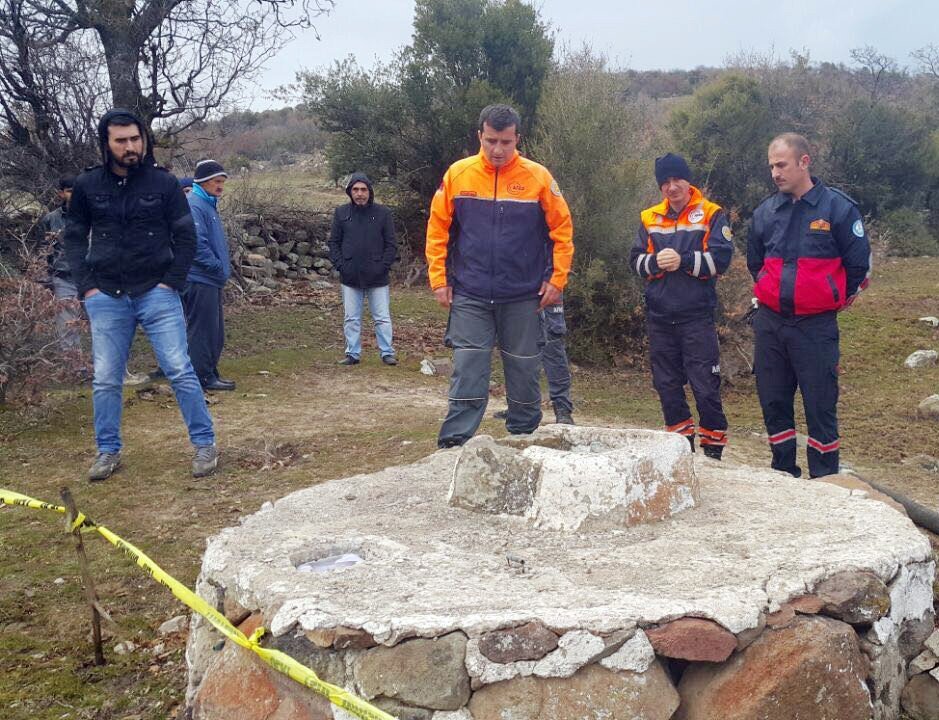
(922, 358)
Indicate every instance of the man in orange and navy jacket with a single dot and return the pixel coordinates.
(683, 244)
(809, 256)
(499, 249)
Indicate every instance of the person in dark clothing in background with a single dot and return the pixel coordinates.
(130, 273)
(362, 247)
(683, 245)
(202, 300)
(69, 312)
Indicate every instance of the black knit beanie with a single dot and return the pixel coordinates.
(208, 169)
(671, 166)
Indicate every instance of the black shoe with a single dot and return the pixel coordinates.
(500, 414)
(563, 417)
(449, 443)
(389, 359)
(349, 360)
(713, 451)
(218, 384)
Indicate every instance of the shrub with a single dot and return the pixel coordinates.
(906, 234)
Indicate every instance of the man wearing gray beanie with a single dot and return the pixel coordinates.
(683, 245)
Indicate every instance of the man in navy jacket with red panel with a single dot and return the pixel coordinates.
(809, 256)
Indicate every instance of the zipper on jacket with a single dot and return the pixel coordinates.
(122, 183)
(492, 242)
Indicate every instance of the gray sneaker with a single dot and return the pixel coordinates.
(205, 461)
(135, 378)
(104, 467)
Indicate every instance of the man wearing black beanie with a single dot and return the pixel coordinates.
(683, 245)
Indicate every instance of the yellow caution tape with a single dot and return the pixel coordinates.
(281, 662)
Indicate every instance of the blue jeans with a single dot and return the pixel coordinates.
(379, 305)
(113, 324)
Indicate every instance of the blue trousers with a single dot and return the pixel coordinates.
(205, 328)
(803, 352)
(379, 305)
(688, 353)
(114, 321)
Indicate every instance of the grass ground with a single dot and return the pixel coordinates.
(298, 419)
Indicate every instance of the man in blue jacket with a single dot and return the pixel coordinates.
(205, 321)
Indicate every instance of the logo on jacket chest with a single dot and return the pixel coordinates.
(515, 188)
(696, 215)
(468, 193)
(820, 225)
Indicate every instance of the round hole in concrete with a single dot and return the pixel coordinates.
(326, 558)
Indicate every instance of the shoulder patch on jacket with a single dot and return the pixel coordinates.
(555, 188)
(727, 233)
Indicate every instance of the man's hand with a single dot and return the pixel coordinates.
(668, 260)
(90, 293)
(444, 296)
(550, 295)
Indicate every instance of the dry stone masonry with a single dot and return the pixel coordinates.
(575, 573)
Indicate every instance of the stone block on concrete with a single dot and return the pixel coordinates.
(692, 639)
(920, 697)
(855, 597)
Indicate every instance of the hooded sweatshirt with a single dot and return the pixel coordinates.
(126, 234)
(362, 244)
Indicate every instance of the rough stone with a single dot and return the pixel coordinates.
(341, 638)
(886, 677)
(305, 261)
(811, 669)
(233, 610)
(257, 258)
(594, 692)
(462, 714)
(239, 686)
(437, 366)
(920, 697)
(924, 662)
(781, 618)
(932, 642)
(922, 358)
(252, 241)
(807, 604)
(636, 655)
(531, 641)
(400, 711)
(302, 248)
(911, 598)
(930, 320)
(692, 639)
(427, 673)
(859, 598)
(577, 478)
(575, 649)
(174, 625)
(286, 247)
(929, 408)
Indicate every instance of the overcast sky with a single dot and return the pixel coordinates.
(641, 35)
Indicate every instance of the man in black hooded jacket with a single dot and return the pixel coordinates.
(130, 241)
(362, 247)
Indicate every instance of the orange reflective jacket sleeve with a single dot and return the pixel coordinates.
(561, 230)
(438, 234)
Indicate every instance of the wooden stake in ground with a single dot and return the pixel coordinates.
(70, 514)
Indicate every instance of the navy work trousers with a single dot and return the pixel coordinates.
(472, 331)
(554, 358)
(205, 328)
(799, 351)
(688, 352)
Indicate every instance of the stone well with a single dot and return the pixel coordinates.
(575, 573)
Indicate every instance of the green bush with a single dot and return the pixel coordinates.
(906, 234)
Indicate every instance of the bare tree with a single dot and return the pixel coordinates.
(175, 62)
(878, 72)
(928, 59)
